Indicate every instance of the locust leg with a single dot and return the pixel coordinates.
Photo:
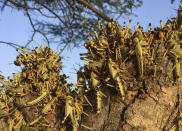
(155, 70)
(99, 102)
(36, 120)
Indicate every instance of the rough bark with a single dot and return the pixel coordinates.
(152, 104)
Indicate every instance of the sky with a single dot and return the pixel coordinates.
(15, 27)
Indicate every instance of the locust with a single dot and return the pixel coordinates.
(81, 83)
(70, 111)
(139, 56)
(99, 102)
(45, 110)
(26, 128)
(127, 30)
(95, 83)
(177, 126)
(40, 76)
(162, 24)
(177, 68)
(114, 72)
(105, 61)
(3, 100)
(119, 31)
(118, 53)
(44, 94)
(137, 27)
(175, 48)
(175, 52)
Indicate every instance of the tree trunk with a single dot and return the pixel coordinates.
(151, 104)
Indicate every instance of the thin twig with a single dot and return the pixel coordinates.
(33, 26)
(20, 5)
(12, 44)
(51, 11)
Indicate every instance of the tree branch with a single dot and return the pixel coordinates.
(94, 9)
(33, 26)
(12, 44)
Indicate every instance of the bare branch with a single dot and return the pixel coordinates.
(67, 21)
(16, 46)
(57, 16)
(33, 26)
(51, 11)
(44, 37)
(45, 15)
(20, 5)
(31, 39)
(4, 4)
(94, 9)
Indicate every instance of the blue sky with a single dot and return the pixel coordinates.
(15, 27)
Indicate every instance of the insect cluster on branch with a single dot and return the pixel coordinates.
(35, 97)
(114, 46)
(39, 97)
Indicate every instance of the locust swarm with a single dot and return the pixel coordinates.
(38, 97)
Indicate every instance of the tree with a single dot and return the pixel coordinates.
(152, 101)
(67, 22)
(134, 84)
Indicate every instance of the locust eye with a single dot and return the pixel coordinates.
(181, 45)
(86, 45)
